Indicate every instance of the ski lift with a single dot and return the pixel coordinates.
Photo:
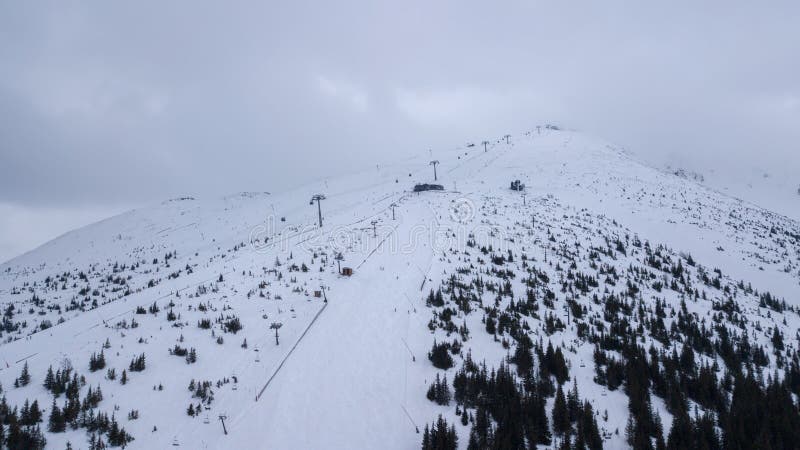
(175, 443)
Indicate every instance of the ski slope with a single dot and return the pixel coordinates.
(351, 372)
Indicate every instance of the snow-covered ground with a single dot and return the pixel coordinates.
(352, 372)
(775, 190)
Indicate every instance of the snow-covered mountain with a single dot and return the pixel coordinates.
(597, 256)
(776, 191)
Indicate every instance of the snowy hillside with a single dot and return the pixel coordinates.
(634, 287)
(776, 191)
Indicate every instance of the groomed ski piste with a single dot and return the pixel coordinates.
(351, 369)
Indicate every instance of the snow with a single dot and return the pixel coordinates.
(358, 377)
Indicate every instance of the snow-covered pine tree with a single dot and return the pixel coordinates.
(24, 376)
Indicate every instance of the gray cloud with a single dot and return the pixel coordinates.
(116, 103)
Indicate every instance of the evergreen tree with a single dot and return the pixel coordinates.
(56, 423)
(561, 424)
(523, 357)
(566, 444)
(24, 414)
(49, 379)
(573, 403)
(34, 413)
(117, 436)
(591, 431)
(559, 367)
(28, 438)
(777, 340)
(490, 325)
(191, 358)
(14, 438)
(440, 436)
(25, 376)
(705, 433)
(97, 361)
(137, 364)
(481, 432)
(440, 356)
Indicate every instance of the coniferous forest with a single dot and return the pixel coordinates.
(691, 381)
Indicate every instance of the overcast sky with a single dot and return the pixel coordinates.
(110, 105)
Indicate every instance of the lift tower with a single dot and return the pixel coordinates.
(318, 198)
